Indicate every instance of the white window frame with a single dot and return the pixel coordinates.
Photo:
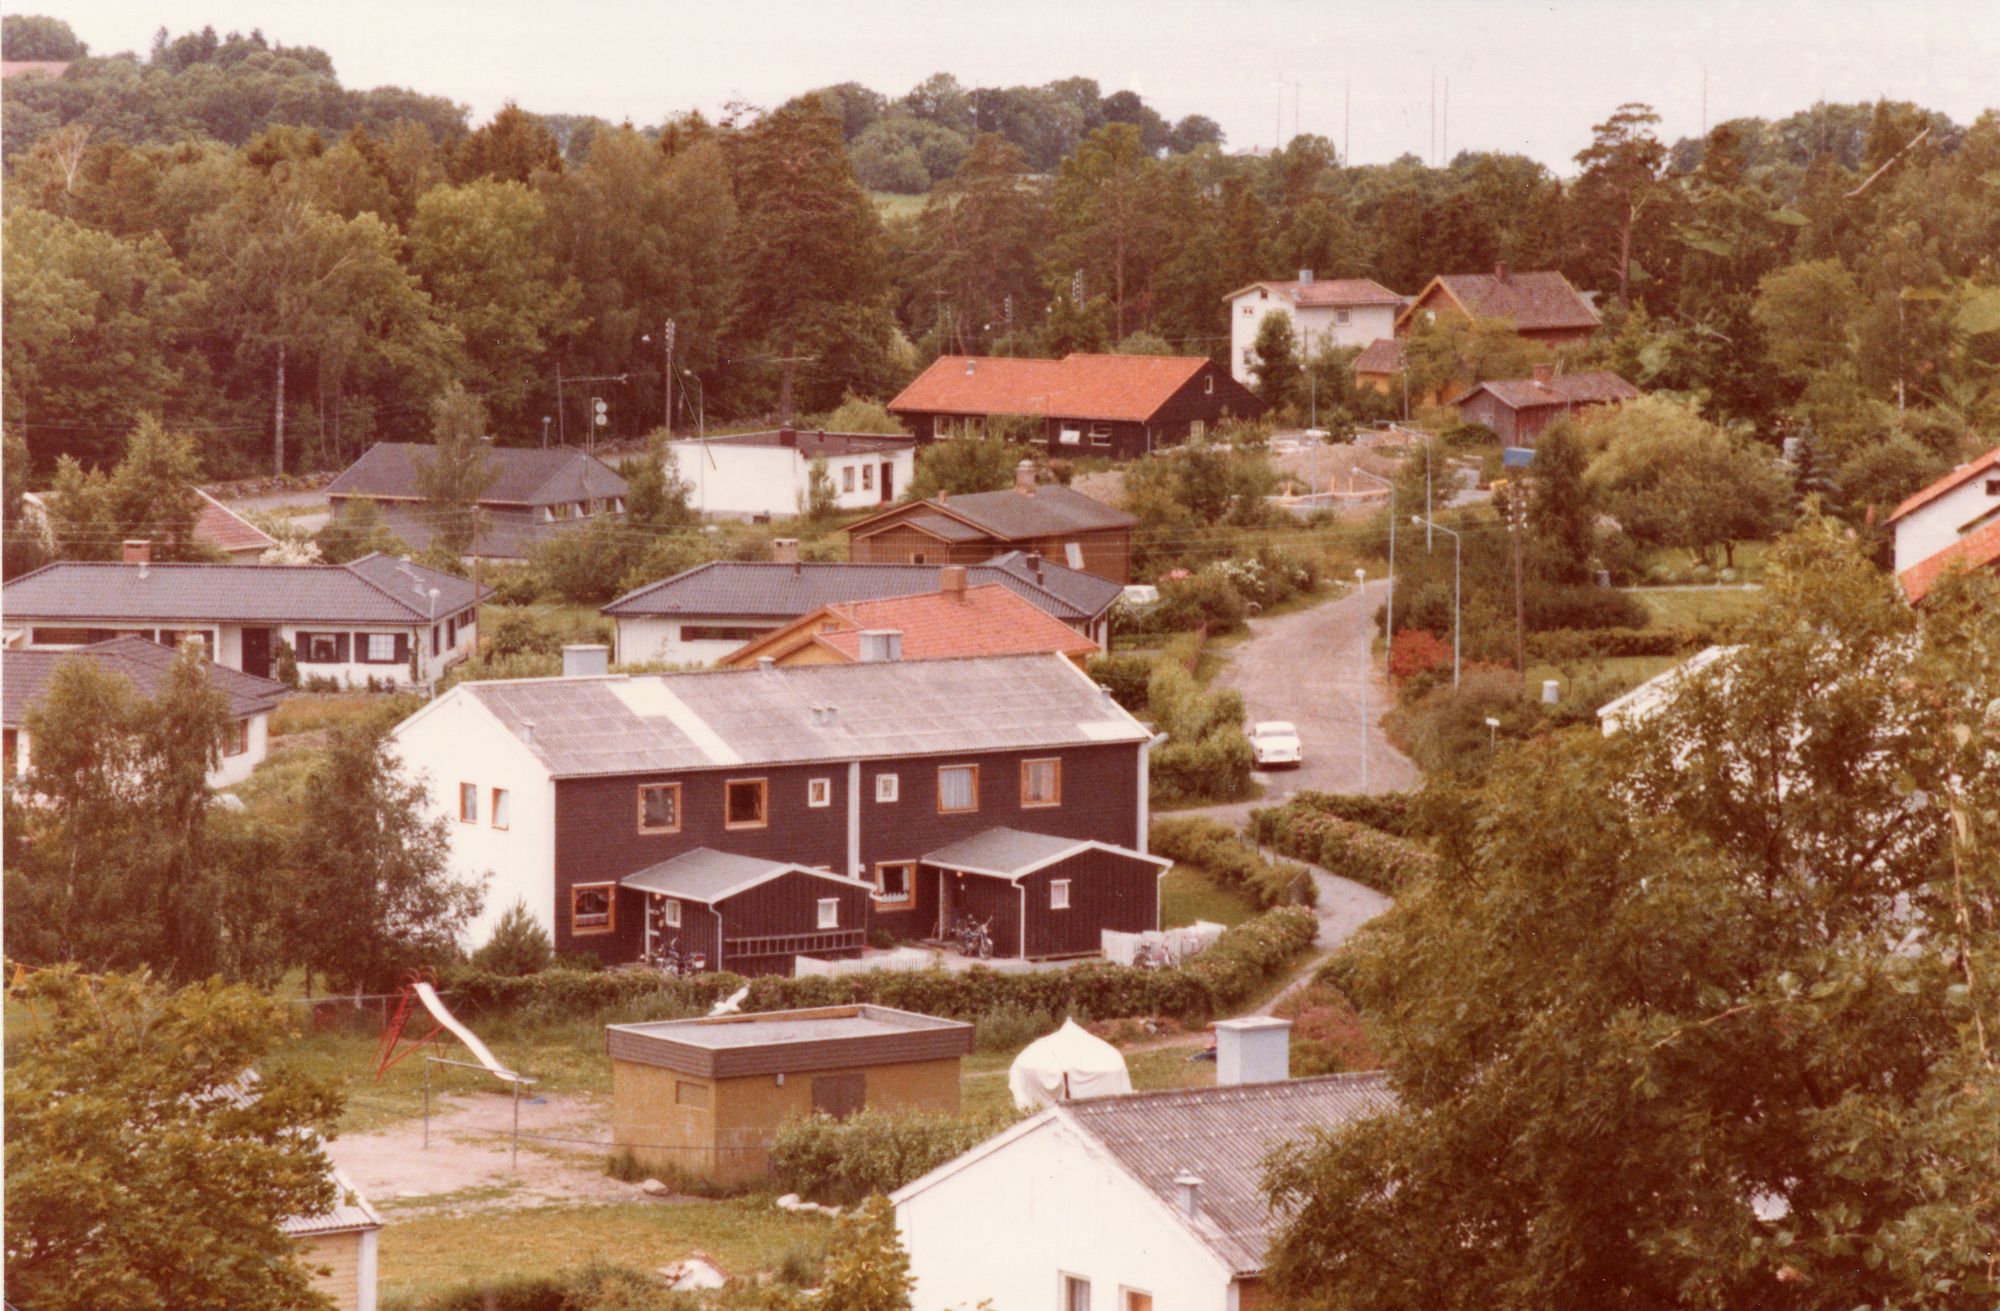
(500, 808)
(1343, 316)
(888, 788)
(847, 478)
(829, 912)
(1059, 894)
(1067, 1285)
(670, 913)
(819, 793)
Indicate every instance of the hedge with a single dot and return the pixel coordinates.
(840, 1162)
(1233, 863)
(1305, 831)
(1391, 812)
(1607, 643)
(567, 993)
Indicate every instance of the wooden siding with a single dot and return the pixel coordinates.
(982, 897)
(1106, 891)
(787, 906)
(1485, 408)
(340, 1255)
(1107, 552)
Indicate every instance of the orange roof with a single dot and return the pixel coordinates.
(1128, 388)
(226, 530)
(980, 621)
(1957, 477)
(1975, 550)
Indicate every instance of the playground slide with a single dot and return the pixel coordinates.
(436, 1007)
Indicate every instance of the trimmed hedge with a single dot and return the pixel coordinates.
(1391, 812)
(1218, 849)
(569, 993)
(1305, 831)
(1608, 643)
(840, 1162)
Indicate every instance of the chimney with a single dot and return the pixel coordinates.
(1305, 277)
(1500, 271)
(944, 495)
(1545, 374)
(1255, 1049)
(968, 366)
(951, 580)
(825, 716)
(586, 660)
(528, 731)
(1024, 477)
(767, 663)
(881, 646)
(1187, 1186)
(138, 550)
(788, 436)
(785, 550)
(1035, 563)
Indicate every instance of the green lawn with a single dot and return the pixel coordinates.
(892, 204)
(1188, 894)
(314, 712)
(422, 1258)
(1599, 680)
(1713, 606)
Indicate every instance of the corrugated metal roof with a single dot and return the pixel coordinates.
(375, 589)
(350, 1211)
(737, 588)
(705, 874)
(665, 722)
(809, 444)
(1002, 851)
(1593, 388)
(26, 674)
(523, 475)
(1223, 1136)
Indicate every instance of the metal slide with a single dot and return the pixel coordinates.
(428, 996)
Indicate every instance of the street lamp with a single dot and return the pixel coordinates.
(1361, 581)
(1389, 624)
(1455, 558)
(1492, 733)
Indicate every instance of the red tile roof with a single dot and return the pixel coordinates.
(1956, 478)
(1129, 388)
(1343, 292)
(226, 530)
(1563, 389)
(1533, 302)
(1384, 355)
(979, 621)
(1975, 550)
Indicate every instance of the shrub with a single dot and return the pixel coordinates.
(1305, 829)
(519, 945)
(1125, 676)
(1327, 1036)
(1391, 812)
(1009, 1027)
(839, 1162)
(567, 993)
(1606, 643)
(1233, 863)
(526, 631)
(285, 665)
(1415, 652)
(1207, 599)
(1207, 757)
(1445, 731)
(1549, 605)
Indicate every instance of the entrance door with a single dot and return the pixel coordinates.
(888, 483)
(257, 652)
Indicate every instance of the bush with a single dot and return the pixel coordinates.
(839, 1162)
(1233, 863)
(567, 993)
(512, 631)
(1207, 600)
(597, 1286)
(1549, 605)
(1327, 1035)
(1305, 828)
(1445, 731)
(1416, 652)
(1391, 812)
(1008, 1028)
(519, 945)
(1607, 643)
(1206, 757)
(1125, 677)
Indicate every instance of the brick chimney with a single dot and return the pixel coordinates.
(785, 550)
(951, 580)
(944, 495)
(1035, 563)
(1500, 271)
(1545, 374)
(788, 436)
(138, 550)
(1024, 477)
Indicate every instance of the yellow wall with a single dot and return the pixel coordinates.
(342, 1253)
(729, 1139)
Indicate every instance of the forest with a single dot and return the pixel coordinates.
(218, 234)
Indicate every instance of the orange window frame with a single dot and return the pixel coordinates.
(1028, 800)
(468, 803)
(943, 809)
(580, 929)
(763, 786)
(883, 901)
(644, 788)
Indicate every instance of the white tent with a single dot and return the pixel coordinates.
(1067, 1065)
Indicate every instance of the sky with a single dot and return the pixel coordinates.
(1511, 75)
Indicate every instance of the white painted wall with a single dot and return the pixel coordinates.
(744, 480)
(1005, 1228)
(649, 640)
(457, 740)
(353, 673)
(232, 770)
(1922, 533)
(1314, 326)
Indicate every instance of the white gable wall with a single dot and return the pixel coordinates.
(731, 479)
(1922, 533)
(648, 639)
(1006, 1227)
(457, 740)
(1314, 326)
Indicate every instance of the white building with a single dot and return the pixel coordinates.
(1143, 1202)
(1646, 700)
(1959, 514)
(1336, 312)
(756, 474)
(374, 619)
(25, 676)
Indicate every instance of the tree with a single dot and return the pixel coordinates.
(1688, 1005)
(519, 945)
(820, 500)
(977, 246)
(1194, 131)
(514, 147)
(457, 472)
(1276, 358)
(964, 465)
(657, 494)
(1561, 520)
(1144, 343)
(1672, 479)
(376, 896)
(1807, 312)
(1107, 222)
(867, 1269)
(1623, 177)
(139, 1173)
(854, 414)
(36, 37)
(149, 496)
(356, 531)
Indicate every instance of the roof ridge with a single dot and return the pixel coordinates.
(1354, 1078)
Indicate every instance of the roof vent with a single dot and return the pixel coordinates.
(1305, 277)
(138, 550)
(785, 550)
(1187, 1187)
(1035, 563)
(881, 646)
(968, 366)
(1024, 477)
(586, 660)
(1254, 1049)
(767, 662)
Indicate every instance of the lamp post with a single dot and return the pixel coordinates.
(1361, 581)
(1492, 734)
(1389, 623)
(1455, 559)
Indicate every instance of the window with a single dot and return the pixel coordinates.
(451, 632)
(847, 479)
(239, 739)
(916, 557)
(1993, 486)
(437, 639)
(659, 808)
(868, 477)
(468, 803)
(1249, 310)
(500, 808)
(886, 787)
(617, 505)
(1075, 1293)
(1341, 316)
(670, 913)
(958, 789)
(380, 648)
(1137, 1301)
(62, 636)
(1208, 385)
(720, 633)
(593, 908)
(1073, 554)
(1198, 430)
(896, 883)
(743, 803)
(175, 636)
(829, 912)
(1041, 782)
(1058, 894)
(549, 511)
(819, 792)
(1100, 434)
(321, 648)
(1249, 360)
(695, 1097)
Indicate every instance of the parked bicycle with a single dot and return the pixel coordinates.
(1152, 956)
(975, 936)
(668, 958)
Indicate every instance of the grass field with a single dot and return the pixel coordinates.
(313, 712)
(1709, 606)
(891, 204)
(1597, 681)
(1188, 894)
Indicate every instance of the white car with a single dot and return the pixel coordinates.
(1275, 742)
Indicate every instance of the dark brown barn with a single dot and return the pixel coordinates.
(748, 915)
(1121, 406)
(1053, 521)
(1517, 409)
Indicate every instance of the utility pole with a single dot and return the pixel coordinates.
(667, 406)
(785, 389)
(562, 432)
(1517, 522)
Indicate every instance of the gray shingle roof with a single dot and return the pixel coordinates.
(937, 525)
(376, 589)
(708, 875)
(524, 475)
(664, 722)
(505, 533)
(735, 588)
(1011, 516)
(1010, 852)
(1223, 1135)
(26, 674)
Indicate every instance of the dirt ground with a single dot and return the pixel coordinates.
(564, 1141)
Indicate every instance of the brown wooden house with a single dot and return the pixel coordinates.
(1541, 305)
(1054, 522)
(1517, 409)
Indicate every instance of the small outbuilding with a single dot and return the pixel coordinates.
(1044, 896)
(748, 914)
(706, 1096)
